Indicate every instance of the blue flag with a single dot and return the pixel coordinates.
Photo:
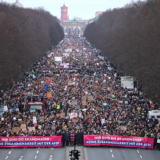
(45, 87)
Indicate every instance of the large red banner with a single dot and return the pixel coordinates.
(32, 141)
(120, 141)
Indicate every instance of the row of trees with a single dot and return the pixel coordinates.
(130, 37)
(25, 36)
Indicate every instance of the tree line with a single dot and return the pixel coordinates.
(25, 36)
(130, 37)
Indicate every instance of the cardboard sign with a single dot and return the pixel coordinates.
(84, 103)
(23, 127)
(16, 129)
(98, 108)
(62, 115)
(74, 120)
(90, 98)
(31, 128)
(84, 98)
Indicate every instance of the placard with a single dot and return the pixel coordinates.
(31, 128)
(23, 127)
(16, 129)
(62, 115)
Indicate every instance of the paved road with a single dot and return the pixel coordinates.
(92, 154)
(33, 154)
(121, 154)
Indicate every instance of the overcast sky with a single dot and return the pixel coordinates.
(79, 8)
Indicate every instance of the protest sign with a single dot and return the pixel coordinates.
(90, 98)
(31, 128)
(16, 129)
(84, 98)
(74, 102)
(23, 127)
(77, 106)
(73, 115)
(84, 103)
(5, 108)
(62, 115)
(34, 120)
(41, 119)
(74, 120)
(98, 108)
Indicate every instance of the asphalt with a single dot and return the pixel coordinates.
(33, 154)
(87, 153)
(121, 154)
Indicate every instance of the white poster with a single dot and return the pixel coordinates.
(34, 120)
(103, 121)
(5, 108)
(73, 115)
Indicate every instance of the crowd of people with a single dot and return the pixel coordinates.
(82, 97)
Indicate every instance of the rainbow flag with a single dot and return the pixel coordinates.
(152, 105)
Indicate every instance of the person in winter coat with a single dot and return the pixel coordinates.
(79, 137)
(63, 139)
(67, 138)
(72, 138)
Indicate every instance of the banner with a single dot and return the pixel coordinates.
(31, 141)
(120, 141)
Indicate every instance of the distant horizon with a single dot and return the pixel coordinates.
(84, 9)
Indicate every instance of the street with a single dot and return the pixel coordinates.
(33, 154)
(91, 153)
(121, 154)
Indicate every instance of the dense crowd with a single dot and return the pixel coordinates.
(83, 98)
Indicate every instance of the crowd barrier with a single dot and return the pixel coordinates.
(31, 141)
(119, 141)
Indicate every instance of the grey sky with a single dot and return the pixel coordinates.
(79, 8)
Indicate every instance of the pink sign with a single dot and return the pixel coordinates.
(120, 141)
(37, 141)
(65, 65)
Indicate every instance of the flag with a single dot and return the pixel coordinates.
(45, 87)
(152, 105)
(48, 80)
(48, 94)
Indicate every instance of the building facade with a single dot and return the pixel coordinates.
(64, 13)
(74, 27)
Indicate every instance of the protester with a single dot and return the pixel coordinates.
(82, 96)
(72, 138)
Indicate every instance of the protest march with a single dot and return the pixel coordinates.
(75, 92)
